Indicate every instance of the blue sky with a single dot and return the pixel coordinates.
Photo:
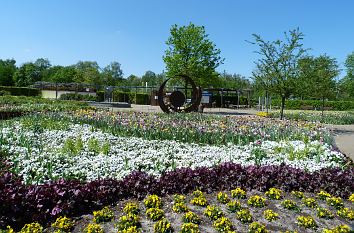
(133, 32)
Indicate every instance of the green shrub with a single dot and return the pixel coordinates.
(78, 97)
(315, 104)
(19, 91)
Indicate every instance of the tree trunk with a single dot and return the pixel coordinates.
(282, 107)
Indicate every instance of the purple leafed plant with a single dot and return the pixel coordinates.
(22, 204)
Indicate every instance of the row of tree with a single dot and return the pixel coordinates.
(89, 72)
(284, 68)
(42, 70)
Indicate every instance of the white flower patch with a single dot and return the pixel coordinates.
(40, 157)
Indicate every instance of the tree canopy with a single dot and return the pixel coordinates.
(276, 69)
(190, 52)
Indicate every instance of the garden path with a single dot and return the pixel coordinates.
(344, 138)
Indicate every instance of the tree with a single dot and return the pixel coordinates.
(90, 73)
(133, 80)
(67, 74)
(191, 53)
(347, 83)
(150, 78)
(317, 77)
(277, 68)
(27, 75)
(112, 74)
(234, 81)
(7, 71)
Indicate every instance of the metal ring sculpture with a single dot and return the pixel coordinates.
(178, 99)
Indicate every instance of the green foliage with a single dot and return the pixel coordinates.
(274, 193)
(20, 91)
(276, 70)
(131, 97)
(127, 221)
(238, 193)
(63, 224)
(179, 207)
(93, 228)
(163, 226)
(153, 201)
(346, 213)
(213, 212)
(270, 215)
(338, 229)
(310, 202)
(324, 213)
(131, 208)
(234, 206)
(32, 228)
(257, 227)
(307, 222)
(289, 204)
(244, 215)
(191, 217)
(7, 70)
(315, 104)
(190, 52)
(223, 224)
(223, 198)
(298, 194)
(155, 213)
(256, 201)
(103, 215)
(336, 202)
(78, 97)
(316, 77)
(189, 228)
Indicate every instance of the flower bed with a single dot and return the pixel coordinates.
(68, 164)
(76, 151)
(155, 214)
(199, 128)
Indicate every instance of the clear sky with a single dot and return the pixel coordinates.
(134, 32)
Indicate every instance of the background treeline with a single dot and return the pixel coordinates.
(89, 72)
(306, 86)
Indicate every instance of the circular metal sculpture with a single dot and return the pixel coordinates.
(177, 100)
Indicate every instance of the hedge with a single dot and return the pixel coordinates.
(315, 104)
(228, 99)
(20, 91)
(79, 97)
(131, 97)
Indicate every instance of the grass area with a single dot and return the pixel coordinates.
(329, 117)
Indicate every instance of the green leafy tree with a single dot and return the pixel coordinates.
(277, 67)
(347, 83)
(234, 81)
(133, 80)
(67, 74)
(112, 74)
(190, 52)
(89, 73)
(317, 77)
(7, 71)
(151, 79)
(27, 74)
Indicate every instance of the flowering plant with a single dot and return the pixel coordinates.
(307, 222)
(103, 215)
(256, 201)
